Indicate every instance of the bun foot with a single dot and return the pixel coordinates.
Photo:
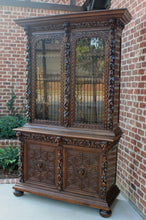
(18, 193)
(105, 213)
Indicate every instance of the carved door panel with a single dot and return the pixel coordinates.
(40, 164)
(82, 171)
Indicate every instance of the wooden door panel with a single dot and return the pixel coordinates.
(82, 171)
(41, 162)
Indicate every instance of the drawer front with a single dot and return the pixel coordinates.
(40, 160)
(82, 170)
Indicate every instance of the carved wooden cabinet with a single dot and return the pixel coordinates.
(69, 145)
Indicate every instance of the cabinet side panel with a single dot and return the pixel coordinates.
(111, 169)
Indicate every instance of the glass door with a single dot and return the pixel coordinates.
(89, 88)
(48, 77)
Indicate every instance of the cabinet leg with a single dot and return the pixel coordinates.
(105, 213)
(18, 193)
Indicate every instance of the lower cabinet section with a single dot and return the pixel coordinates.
(73, 170)
(80, 172)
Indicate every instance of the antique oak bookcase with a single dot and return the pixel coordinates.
(69, 145)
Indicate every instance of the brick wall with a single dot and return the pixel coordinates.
(12, 53)
(131, 154)
(64, 2)
(9, 142)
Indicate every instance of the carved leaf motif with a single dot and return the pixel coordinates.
(60, 161)
(104, 173)
(65, 140)
(111, 75)
(67, 74)
(28, 75)
(21, 165)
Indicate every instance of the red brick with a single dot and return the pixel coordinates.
(141, 132)
(143, 78)
(142, 105)
(142, 167)
(136, 183)
(140, 193)
(134, 91)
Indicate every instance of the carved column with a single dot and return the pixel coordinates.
(67, 74)
(60, 164)
(104, 172)
(28, 74)
(21, 158)
(111, 75)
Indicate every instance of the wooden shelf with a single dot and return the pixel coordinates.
(83, 133)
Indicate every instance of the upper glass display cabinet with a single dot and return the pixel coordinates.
(87, 84)
(73, 69)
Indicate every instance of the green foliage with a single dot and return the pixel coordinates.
(10, 104)
(15, 120)
(8, 123)
(9, 157)
(90, 56)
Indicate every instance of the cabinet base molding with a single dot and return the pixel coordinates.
(94, 202)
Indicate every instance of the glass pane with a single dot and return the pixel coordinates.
(48, 71)
(89, 80)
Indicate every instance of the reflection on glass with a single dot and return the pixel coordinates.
(89, 80)
(48, 54)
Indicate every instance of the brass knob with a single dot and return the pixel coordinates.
(40, 164)
(81, 171)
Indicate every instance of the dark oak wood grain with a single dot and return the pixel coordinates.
(66, 159)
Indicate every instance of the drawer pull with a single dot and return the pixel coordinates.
(81, 171)
(40, 164)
